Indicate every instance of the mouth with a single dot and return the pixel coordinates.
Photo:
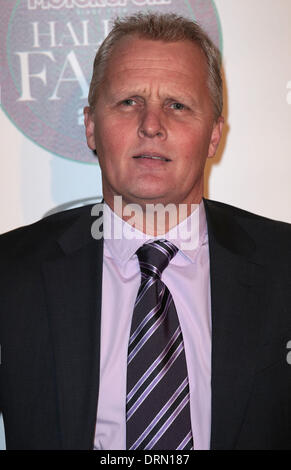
(152, 157)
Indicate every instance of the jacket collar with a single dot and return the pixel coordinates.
(73, 287)
(238, 304)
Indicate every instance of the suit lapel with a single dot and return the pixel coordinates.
(237, 302)
(73, 282)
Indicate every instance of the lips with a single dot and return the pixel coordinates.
(153, 156)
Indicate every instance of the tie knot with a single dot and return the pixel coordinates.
(154, 257)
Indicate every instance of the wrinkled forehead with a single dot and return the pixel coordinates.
(135, 52)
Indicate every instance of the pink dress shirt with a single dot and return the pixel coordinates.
(188, 279)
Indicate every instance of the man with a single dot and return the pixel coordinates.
(69, 301)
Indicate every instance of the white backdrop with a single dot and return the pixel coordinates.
(253, 166)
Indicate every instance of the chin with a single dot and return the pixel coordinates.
(148, 194)
(151, 195)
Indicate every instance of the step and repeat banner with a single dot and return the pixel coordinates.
(47, 51)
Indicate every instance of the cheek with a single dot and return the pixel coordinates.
(195, 143)
(113, 139)
(188, 148)
(192, 154)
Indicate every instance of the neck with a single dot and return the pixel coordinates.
(152, 219)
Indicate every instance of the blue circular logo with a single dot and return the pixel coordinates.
(48, 49)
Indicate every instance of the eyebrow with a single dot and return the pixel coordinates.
(182, 99)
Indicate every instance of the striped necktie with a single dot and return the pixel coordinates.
(157, 402)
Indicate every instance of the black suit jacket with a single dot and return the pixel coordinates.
(50, 311)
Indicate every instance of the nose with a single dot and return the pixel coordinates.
(152, 124)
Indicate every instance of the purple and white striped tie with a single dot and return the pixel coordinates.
(157, 402)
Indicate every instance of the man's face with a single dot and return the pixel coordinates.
(153, 125)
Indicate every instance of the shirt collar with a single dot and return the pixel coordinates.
(124, 240)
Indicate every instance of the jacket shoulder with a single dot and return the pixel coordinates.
(247, 216)
(271, 237)
(39, 235)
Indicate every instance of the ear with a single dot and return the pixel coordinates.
(90, 127)
(215, 136)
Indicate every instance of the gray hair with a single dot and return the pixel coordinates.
(164, 27)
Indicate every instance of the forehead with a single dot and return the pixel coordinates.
(139, 55)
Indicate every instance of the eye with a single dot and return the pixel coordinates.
(178, 106)
(128, 102)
